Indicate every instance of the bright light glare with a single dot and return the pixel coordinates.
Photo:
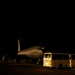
(70, 63)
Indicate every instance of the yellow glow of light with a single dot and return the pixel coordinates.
(70, 63)
(48, 64)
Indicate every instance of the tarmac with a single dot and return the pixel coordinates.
(13, 68)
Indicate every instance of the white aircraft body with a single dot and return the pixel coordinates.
(34, 53)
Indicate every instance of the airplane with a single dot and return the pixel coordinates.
(34, 53)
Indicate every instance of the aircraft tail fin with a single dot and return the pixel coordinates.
(18, 45)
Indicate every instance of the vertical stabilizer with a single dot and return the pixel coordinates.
(18, 45)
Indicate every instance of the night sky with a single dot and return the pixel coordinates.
(49, 26)
(53, 30)
(53, 40)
